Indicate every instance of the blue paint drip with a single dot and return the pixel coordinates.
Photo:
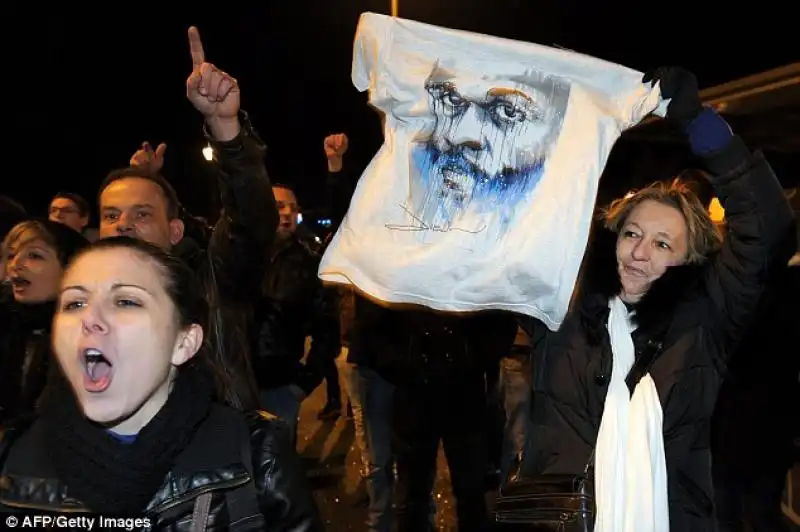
(500, 193)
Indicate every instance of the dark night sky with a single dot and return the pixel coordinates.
(85, 86)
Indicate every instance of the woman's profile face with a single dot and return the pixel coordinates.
(117, 339)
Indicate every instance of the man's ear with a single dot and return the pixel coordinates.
(176, 230)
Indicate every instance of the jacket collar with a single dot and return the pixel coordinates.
(209, 463)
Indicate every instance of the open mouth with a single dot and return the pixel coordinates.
(97, 371)
(19, 282)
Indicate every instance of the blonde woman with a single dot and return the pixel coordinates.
(35, 253)
(661, 288)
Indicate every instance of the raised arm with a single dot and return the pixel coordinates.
(339, 182)
(246, 228)
(245, 231)
(760, 223)
(760, 236)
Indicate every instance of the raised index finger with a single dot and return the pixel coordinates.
(196, 47)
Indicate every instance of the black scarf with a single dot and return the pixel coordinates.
(114, 477)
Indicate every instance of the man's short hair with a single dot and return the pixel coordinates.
(80, 203)
(290, 188)
(173, 205)
(284, 186)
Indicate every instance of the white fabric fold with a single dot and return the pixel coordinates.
(630, 465)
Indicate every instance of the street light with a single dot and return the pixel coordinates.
(716, 211)
(208, 153)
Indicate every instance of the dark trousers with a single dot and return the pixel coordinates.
(451, 410)
(495, 417)
(331, 374)
(749, 502)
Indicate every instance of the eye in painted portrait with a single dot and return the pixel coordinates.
(485, 150)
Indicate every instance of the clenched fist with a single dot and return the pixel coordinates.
(336, 145)
(335, 148)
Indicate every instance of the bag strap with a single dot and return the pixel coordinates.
(202, 506)
(242, 502)
(639, 369)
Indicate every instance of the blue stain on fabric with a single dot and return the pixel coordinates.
(500, 192)
(708, 132)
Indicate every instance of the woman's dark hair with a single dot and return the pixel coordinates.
(187, 294)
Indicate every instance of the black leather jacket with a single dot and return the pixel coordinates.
(233, 262)
(281, 499)
(293, 304)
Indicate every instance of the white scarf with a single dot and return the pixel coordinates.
(630, 467)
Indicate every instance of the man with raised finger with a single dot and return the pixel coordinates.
(138, 202)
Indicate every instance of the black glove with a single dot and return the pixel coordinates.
(680, 85)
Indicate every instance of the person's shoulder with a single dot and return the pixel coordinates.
(302, 258)
(11, 432)
(265, 434)
(268, 434)
(190, 252)
(12, 428)
(309, 252)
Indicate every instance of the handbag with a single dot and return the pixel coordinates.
(548, 503)
(565, 502)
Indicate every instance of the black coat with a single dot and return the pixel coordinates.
(693, 317)
(292, 305)
(213, 461)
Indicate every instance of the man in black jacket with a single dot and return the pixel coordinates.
(292, 306)
(138, 202)
(417, 377)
